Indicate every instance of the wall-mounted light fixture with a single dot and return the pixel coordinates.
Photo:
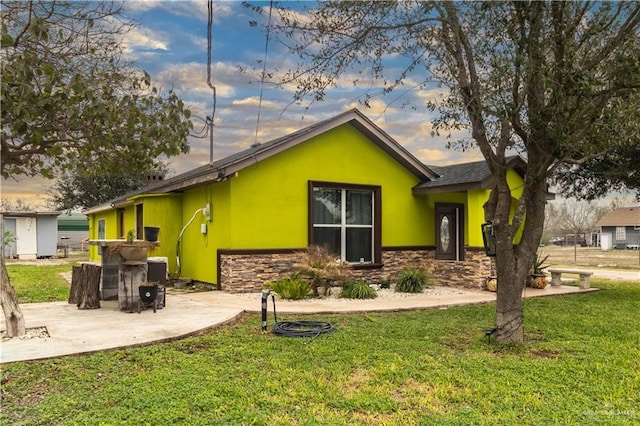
(489, 239)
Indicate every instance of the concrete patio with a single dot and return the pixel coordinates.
(68, 330)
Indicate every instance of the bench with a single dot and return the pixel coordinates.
(556, 275)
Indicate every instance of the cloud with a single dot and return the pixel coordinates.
(432, 156)
(198, 9)
(144, 38)
(190, 79)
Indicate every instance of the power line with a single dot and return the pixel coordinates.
(213, 88)
(264, 71)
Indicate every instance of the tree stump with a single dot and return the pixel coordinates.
(85, 286)
(74, 292)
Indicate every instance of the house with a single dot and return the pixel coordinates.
(35, 234)
(343, 182)
(73, 231)
(620, 228)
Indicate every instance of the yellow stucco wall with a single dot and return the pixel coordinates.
(163, 211)
(198, 250)
(266, 205)
(342, 155)
(110, 218)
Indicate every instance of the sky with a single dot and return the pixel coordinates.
(170, 43)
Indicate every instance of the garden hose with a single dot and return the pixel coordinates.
(292, 328)
(302, 328)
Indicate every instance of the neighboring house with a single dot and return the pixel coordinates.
(245, 220)
(35, 233)
(73, 231)
(620, 228)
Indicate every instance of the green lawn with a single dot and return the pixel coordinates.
(39, 282)
(579, 366)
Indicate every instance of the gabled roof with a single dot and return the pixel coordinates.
(623, 216)
(465, 176)
(228, 166)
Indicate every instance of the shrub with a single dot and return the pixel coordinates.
(413, 280)
(291, 287)
(358, 290)
(322, 267)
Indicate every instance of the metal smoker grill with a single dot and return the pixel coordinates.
(148, 297)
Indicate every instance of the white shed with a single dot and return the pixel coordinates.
(35, 233)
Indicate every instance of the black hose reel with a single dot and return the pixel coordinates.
(292, 328)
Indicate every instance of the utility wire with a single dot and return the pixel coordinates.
(213, 88)
(264, 71)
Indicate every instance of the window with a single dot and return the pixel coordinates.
(345, 218)
(102, 234)
(621, 234)
(102, 229)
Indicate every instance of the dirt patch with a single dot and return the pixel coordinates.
(592, 257)
(541, 353)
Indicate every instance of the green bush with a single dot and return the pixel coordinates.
(291, 287)
(413, 280)
(358, 290)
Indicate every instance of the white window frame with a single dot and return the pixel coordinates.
(343, 225)
(621, 233)
(102, 222)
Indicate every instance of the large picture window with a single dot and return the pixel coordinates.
(343, 218)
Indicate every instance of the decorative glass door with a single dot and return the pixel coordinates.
(449, 231)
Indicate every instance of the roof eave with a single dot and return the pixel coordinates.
(29, 214)
(439, 189)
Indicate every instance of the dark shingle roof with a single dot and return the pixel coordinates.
(459, 177)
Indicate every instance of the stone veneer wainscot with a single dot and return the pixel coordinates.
(244, 271)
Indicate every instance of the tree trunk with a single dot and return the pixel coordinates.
(88, 279)
(509, 314)
(514, 261)
(13, 318)
(76, 288)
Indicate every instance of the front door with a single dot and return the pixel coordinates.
(449, 231)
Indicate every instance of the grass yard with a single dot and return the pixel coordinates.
(579, 366)
(40, 281)
(592, 257)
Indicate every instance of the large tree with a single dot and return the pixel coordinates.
(537, 78)
(70, 100)
(618, 169)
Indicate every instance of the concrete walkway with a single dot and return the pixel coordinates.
(68, 330)
(614, 274)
